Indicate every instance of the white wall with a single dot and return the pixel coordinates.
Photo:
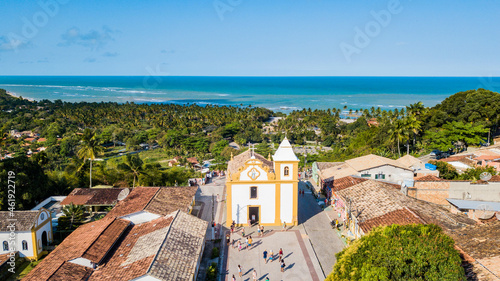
(262, 174)
(39, 233)
(20, 236)
(286, 210)
(240, 199)
(392, 173)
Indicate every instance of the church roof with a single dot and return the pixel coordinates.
(240, 159)
(285, 152)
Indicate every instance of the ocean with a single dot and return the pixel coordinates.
(276, 93)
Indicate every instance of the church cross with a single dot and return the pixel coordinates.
(252, 148)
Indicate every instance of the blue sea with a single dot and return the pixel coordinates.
(277, 93)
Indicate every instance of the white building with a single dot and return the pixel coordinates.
(27, 232)
(263, 191)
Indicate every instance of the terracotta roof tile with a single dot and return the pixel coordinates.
(4, 258)
(345, 182)
(74, 246)
(106, 240)
(327, 165)
(401, 216)
(429, 178)
(371, 161)
(115, 267)
(92, 196)
(170, 199)
(24, 220)
(240, 159)
(495, 178)
(71, 271)
(136, 201)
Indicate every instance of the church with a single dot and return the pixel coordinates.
(261, 190)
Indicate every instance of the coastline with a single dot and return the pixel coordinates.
(17, 96)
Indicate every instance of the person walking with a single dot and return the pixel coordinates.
(233, 279)
(243, 232)
(258, 230)
(239, 246)
(240, 271)
(271, 255)
(254, 275)
(264, 255)
(284, 226)
(282, 265)
(262, 230)
(249, 242)
(228, 239)
(280, 254)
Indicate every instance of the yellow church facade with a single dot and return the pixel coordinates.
(263, 191)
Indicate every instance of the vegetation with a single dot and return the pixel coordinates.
(73, 216)
(95, 142)
(411, 252)
(212, 272)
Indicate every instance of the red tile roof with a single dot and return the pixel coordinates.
(345, 182)
(429, 178)
(74, 246)
(71, 271)
(136, 201)
(92, 196)
(170, 199)
(495, 178)
(402, 217)
(106, 240)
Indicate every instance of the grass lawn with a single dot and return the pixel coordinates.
(24, 269)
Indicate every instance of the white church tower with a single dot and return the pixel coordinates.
(263, 191)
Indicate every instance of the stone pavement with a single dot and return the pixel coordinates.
(325, 241)
(300, 265)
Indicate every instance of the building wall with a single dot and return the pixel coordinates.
(392, 173)
(481, 192)
(266, 199)
(286, 205)
(19, 237)
(431, 191)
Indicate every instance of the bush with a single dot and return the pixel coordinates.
(212, 271)
(215, 252)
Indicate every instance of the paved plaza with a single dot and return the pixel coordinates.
(309, 248)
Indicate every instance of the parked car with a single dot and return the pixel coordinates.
(435, 153)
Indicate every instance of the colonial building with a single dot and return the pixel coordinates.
(32, 232)
(263, 191)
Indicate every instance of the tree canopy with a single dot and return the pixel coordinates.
(410, 252)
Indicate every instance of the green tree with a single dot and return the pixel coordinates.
(474, 173)
(89, 148)
(410, 252)
(446, 171)
(72, 215)
(134, 165)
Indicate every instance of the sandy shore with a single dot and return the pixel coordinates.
(17, 96)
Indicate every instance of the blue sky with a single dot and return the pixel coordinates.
(250, 37)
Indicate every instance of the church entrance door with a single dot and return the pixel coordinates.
(253, 214)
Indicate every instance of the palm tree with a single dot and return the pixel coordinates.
(90, 148)
(74, 213)
(397, 133)
(413, 125)
(133, 164)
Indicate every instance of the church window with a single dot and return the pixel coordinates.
(5, 246)
(25, 245)
(253, 192)
(287, 171)
(42, 216)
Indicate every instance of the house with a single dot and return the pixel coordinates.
(33, 232)
(263, 191)
(42, 140)
(369, 166)
(53, 205)
(460, 162)
(365, 203)
(147, 236)
(95, 199)
(418, 166)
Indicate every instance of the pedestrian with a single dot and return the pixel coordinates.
(262, 230)
(283, 265)
(267, 279)
(284, 226)
(264, 255)
(232, 229)
(243, 232)
(239, 246)
(249, 223)
(249, 242)
(233, 244)
(271, 255)
(240, 271)
(233, 279)
(228, 239)
(280, 254)
(254, 275)
(258, 230)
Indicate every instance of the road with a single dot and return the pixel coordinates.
(326, 243)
